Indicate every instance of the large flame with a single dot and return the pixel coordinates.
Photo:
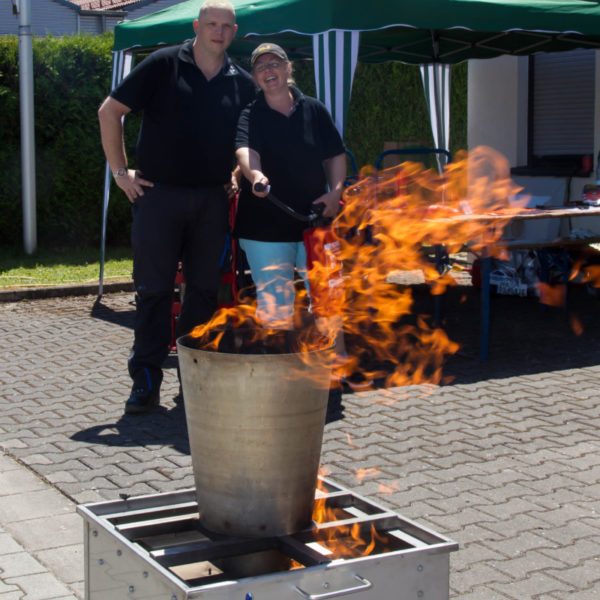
(345, 540)
(394, 220)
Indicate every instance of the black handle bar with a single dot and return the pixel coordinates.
(311, 218)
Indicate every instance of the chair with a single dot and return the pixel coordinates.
(414, 151)
(351, 179)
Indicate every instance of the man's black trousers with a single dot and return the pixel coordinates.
(172, 224)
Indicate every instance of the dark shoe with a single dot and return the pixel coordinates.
(145, 395)
(335, 408)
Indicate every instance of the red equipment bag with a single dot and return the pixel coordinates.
(324, 264)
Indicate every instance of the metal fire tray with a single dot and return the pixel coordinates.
(153, 547)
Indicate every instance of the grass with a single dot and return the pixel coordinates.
(62, 266)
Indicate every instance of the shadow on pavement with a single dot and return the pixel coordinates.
(525, 337)
(163, 427)
(124, 318)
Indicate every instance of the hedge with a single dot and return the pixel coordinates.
(71, 78)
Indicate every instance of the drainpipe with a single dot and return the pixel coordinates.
(23, 9)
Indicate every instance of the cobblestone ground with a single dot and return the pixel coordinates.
(504, 457)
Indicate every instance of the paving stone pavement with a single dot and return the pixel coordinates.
(503, 457)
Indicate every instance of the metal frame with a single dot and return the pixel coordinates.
(134, 546)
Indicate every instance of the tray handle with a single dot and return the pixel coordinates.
(365, 584)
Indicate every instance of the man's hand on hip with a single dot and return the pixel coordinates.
(132, 184)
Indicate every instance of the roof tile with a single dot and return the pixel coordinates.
(102, 4)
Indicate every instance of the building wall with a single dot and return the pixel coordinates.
(497, 111)
(58, 18)
(47, 17)
(134, 12)
(95, 24)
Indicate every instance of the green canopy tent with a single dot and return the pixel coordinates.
(392, 30)
(337, 33)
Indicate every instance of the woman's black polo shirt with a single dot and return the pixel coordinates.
(188, 124)
(292, 150)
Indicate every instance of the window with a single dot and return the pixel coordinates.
(561, 110)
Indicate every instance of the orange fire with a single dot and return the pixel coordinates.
(552, 295)
(395, 220)
(388, 488)
(576, 325)
(343, 541)
(366, 473)
(589, 273)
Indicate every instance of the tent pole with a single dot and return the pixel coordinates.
(121, 66)
(103, 242)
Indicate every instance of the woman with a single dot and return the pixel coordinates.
(286, 141)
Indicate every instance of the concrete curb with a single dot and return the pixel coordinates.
(86, 289)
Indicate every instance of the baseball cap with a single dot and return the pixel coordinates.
(267, 48)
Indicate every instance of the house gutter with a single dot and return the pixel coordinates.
(105, 13)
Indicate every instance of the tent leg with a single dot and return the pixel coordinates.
(122, 62)
(103, 241)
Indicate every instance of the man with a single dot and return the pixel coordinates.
(190, 97)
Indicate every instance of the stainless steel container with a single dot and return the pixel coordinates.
(151, 548)
(255, 424)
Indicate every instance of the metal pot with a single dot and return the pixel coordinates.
(255, 424)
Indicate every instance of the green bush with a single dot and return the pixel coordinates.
(10, 162)
(72, 77)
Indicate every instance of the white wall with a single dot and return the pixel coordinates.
(597, 114)
(497, 106)
(46, 17)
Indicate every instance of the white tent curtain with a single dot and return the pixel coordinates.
(122, 62)
(335, 56)
(436, 83)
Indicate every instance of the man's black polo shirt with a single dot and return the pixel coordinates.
(188, 124)
(292, 150)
